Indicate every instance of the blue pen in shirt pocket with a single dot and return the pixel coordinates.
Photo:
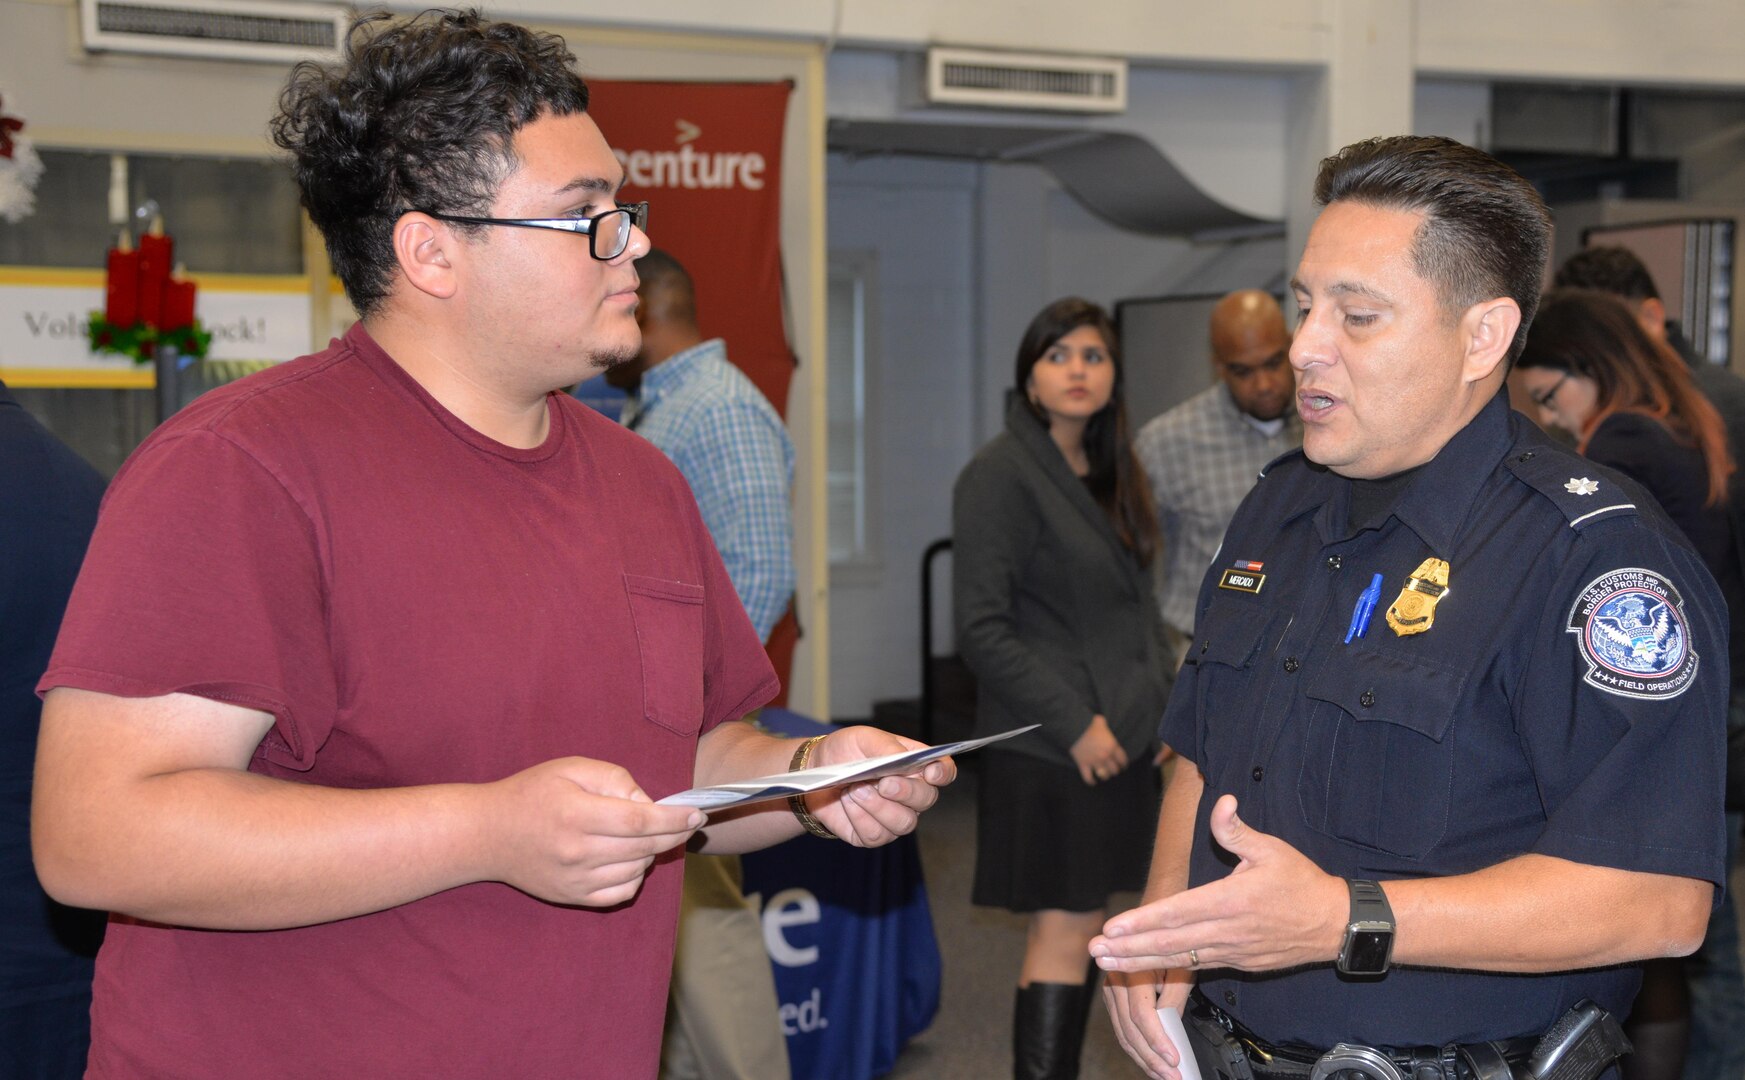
(1365, 608)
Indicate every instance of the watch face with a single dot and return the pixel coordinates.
(1369, 950)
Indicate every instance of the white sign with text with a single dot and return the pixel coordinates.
(42, 325)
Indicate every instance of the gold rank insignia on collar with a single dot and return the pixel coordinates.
(1414, 611)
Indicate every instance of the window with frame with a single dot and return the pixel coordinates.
(852, 299)
(234, 215)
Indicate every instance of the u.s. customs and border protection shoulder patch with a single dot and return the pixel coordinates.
(1631, 629)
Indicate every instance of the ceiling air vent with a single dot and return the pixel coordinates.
(1026, 81)
(216, 29)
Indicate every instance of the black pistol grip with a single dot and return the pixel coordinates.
(1580, 1046)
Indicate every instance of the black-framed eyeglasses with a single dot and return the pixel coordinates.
(1544, 400)
(608, 232)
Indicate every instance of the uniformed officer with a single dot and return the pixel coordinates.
(1465, 689)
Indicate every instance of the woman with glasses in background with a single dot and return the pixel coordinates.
(1052, 533)
(1630, 404)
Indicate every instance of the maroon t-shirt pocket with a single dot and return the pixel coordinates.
(669, 637)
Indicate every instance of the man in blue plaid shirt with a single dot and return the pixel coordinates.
(703, 413)
(725, 437)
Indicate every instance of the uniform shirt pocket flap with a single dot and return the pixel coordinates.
(1374, 686)
(1230, 634)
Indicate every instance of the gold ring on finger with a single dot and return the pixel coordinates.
(1193, 958)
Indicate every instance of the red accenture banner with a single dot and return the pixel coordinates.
(708, 159)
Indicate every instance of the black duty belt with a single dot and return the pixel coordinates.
(1228, 1039)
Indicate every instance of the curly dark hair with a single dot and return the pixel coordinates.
(420, 113)
(1116, 480)
(1486, 232)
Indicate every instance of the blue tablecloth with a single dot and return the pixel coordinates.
(850, 938)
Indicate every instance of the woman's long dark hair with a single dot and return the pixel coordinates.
(1115, 479)
(1593, 334)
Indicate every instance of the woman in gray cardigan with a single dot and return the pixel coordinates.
(1052, 531)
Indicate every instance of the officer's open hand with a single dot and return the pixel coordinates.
(1275, 910)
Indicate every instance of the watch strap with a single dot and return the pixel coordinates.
(1369, 903)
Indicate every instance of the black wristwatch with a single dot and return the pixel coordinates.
(1369, 935)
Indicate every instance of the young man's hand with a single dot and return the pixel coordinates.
(578, 831)
(877, 811)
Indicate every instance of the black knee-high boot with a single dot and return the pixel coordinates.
(1048, 1030)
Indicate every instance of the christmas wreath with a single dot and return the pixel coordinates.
(142, 340)
(20, 169)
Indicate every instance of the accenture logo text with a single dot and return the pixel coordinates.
(688, 167)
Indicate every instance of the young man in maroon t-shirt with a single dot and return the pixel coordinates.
(379, 658)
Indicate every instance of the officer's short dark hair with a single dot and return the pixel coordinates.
(1611, 269)
(420, 114)
(1486, 232)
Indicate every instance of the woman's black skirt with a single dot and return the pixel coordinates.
(1046, 841)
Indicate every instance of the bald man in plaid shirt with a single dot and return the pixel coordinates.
(1203, 455)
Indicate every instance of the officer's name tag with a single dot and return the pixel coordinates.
(1242, 581)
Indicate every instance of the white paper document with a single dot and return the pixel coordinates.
(782, 785)
(1178, 1034)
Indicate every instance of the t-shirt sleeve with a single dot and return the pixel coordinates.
(1622, 706)
(204, 577)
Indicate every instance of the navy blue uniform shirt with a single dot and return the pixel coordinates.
(1568, 700)
(48, 507)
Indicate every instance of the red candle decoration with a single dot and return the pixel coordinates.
(121, 293)
(155, 253)
(178, 305)
(147, 310)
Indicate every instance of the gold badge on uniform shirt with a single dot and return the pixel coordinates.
(1414, 611)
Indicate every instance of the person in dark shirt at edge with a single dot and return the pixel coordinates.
(1630, 403)
(1618, 271)
(48, 507)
